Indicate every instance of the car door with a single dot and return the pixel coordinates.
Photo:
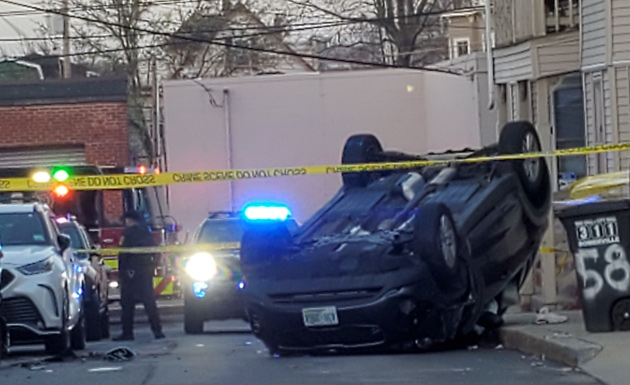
(73, 273)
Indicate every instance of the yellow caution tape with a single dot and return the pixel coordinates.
(602, 184)
(124, 181)
(164, 249)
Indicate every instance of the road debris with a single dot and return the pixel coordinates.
(120, 354)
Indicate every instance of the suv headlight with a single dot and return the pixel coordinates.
(43, 266)
(201, 267)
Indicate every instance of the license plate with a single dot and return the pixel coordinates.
(320, 316)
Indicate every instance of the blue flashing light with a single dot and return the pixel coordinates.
(241, 285)
(267, 212)
(199, 288)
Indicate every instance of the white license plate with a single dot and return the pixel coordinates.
(320, 316)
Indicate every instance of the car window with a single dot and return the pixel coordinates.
(221, 230)
(73, 232)
(22, 229)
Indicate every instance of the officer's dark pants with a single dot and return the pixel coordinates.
(139, 288)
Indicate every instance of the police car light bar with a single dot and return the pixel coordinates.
(267, 213)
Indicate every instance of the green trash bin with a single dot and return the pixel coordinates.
(599, 238)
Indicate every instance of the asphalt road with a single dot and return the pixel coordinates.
(228, 354)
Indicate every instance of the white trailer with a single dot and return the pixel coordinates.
(303, 119)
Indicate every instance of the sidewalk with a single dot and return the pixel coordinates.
(605, 356)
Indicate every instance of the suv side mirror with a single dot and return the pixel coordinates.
(64, 242)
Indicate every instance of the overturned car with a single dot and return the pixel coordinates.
(412, 257)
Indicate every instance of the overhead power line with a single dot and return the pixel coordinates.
(225, 44)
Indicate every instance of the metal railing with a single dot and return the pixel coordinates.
(563, 14)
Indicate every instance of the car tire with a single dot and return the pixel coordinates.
(4, 339)
(193, 322)
(105, 323)
(59, 344)
(436, 242)
(77, 335)
(93, 317)
(360, 149)
(518, 138)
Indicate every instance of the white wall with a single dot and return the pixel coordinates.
(291, 120)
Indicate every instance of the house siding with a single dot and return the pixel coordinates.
(623, 112)
(559, 56)
(620, 30)
(593, 31)
(513, 64)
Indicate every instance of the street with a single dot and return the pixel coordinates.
(227, 353)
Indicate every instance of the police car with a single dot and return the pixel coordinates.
(212, 281)
(42, 286)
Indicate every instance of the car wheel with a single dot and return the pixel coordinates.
(360, 149)
(105, 323)
(193, 322)
(436, 242)
(93, 317)
(77, 335)
(519, 138)
(59, 344)
(621, 315)
(4, 339)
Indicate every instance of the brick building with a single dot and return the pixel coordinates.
(66, 122)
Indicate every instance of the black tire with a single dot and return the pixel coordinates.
(77, 335)
(92, 317)
(620, 315)
(360, 149)
(518, 138)
(105, 323)
(193, 322)
(60, 344)
(436, 242)
(4, 339)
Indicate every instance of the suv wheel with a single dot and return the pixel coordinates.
(93, 317)
(59, 344)
(77, 335)
(193, 322)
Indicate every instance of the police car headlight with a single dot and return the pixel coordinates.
(201, 267)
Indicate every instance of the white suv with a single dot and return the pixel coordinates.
(41, 285)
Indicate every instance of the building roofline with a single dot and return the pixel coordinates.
(57, 91)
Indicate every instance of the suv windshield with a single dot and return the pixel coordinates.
(221, 230)
(73, 232)
(22, 229)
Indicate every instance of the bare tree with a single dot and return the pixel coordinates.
(233, 27)
(402, 32)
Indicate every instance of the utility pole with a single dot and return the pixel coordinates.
(67, 66)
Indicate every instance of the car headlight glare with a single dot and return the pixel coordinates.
(43, 266)
(201, 267)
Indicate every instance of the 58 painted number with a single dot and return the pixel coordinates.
(616, 273)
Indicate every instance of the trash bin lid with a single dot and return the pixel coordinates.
(593, 208)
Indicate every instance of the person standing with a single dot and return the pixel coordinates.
(136, 277)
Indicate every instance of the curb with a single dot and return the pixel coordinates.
(559, 347)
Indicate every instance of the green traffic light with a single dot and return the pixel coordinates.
(61, 175)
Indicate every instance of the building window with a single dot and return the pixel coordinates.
(461, 47)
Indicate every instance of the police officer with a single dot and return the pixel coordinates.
(136, 277)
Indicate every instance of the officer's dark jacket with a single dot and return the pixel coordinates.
(136, 236)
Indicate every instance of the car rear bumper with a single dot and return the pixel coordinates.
(221, 300)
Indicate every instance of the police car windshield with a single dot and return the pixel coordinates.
(73, 232)
(221, 230)
(18, 229)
